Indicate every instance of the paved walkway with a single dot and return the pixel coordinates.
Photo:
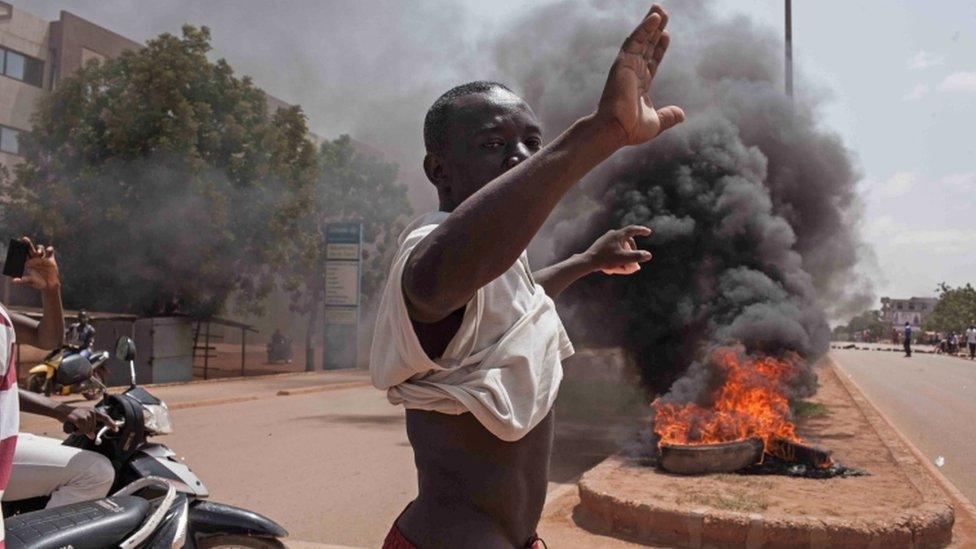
(931, 399)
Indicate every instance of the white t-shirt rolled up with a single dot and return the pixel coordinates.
(503, 365)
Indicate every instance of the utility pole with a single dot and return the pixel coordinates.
(789, 49)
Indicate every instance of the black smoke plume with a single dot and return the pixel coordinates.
(751, 201)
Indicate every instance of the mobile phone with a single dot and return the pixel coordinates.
(17, 253)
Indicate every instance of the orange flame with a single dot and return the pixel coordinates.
(750, 403)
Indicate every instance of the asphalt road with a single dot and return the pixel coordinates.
(331, 466)
(931, 399)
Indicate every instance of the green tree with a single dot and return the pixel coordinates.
(351, 186)
(868, 320)
(955, 311)
(162, 180)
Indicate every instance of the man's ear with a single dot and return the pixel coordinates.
(435, 169)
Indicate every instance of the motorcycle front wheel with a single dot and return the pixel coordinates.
(93, 389)
(237, 541)
(35, 383)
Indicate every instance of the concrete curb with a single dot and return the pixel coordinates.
(323, 388)
(283, 392)
(210, 402)
(245, 398)
(241, 378)
(929, 524)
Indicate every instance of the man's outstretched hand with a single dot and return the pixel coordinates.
(616, 251)
(625, 104)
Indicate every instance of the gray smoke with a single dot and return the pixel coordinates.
(752, 201)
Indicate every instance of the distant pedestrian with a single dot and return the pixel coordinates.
(971, 339)
(908, 339)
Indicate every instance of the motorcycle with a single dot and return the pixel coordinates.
(279, 351)
(157, 500)
(947, 346)
(46, 377)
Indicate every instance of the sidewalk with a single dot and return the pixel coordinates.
(200, 393)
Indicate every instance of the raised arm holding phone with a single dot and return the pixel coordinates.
(30, 465)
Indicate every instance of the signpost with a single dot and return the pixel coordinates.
(343, 250)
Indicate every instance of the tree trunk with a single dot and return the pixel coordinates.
(313, 319)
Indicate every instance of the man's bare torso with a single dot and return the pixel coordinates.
(475, 489)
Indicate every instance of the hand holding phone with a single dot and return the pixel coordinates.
(38, 269)
(17, 253)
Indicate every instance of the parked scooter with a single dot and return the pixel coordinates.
(157, 501)
(47, 376)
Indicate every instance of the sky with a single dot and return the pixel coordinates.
(897, 79)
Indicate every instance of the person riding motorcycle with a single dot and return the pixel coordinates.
(44, 467)
(279, 347)
(81, 334)
(33, 466)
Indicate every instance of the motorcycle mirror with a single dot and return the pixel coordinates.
(125, 349)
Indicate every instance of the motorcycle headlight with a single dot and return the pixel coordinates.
(157, 420)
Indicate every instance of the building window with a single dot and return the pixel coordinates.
(9, 140)
(14, 67)
(23, 68)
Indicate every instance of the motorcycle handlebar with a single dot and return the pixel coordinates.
(70, 428)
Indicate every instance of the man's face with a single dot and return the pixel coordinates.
(488, 134)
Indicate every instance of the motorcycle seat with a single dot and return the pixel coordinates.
(88, 524)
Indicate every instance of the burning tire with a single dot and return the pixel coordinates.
(700, 459)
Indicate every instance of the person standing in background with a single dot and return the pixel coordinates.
(908, 340)
(971, 340)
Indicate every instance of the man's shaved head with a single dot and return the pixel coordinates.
(474, 133)
(438, 116)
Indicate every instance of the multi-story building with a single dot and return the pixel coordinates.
(913, 310)
(34, 54)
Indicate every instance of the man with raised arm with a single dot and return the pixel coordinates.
(467, 336)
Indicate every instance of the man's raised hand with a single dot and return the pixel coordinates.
(41, 269)
(625, 104)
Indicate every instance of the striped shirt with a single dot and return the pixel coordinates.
(9, 405)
